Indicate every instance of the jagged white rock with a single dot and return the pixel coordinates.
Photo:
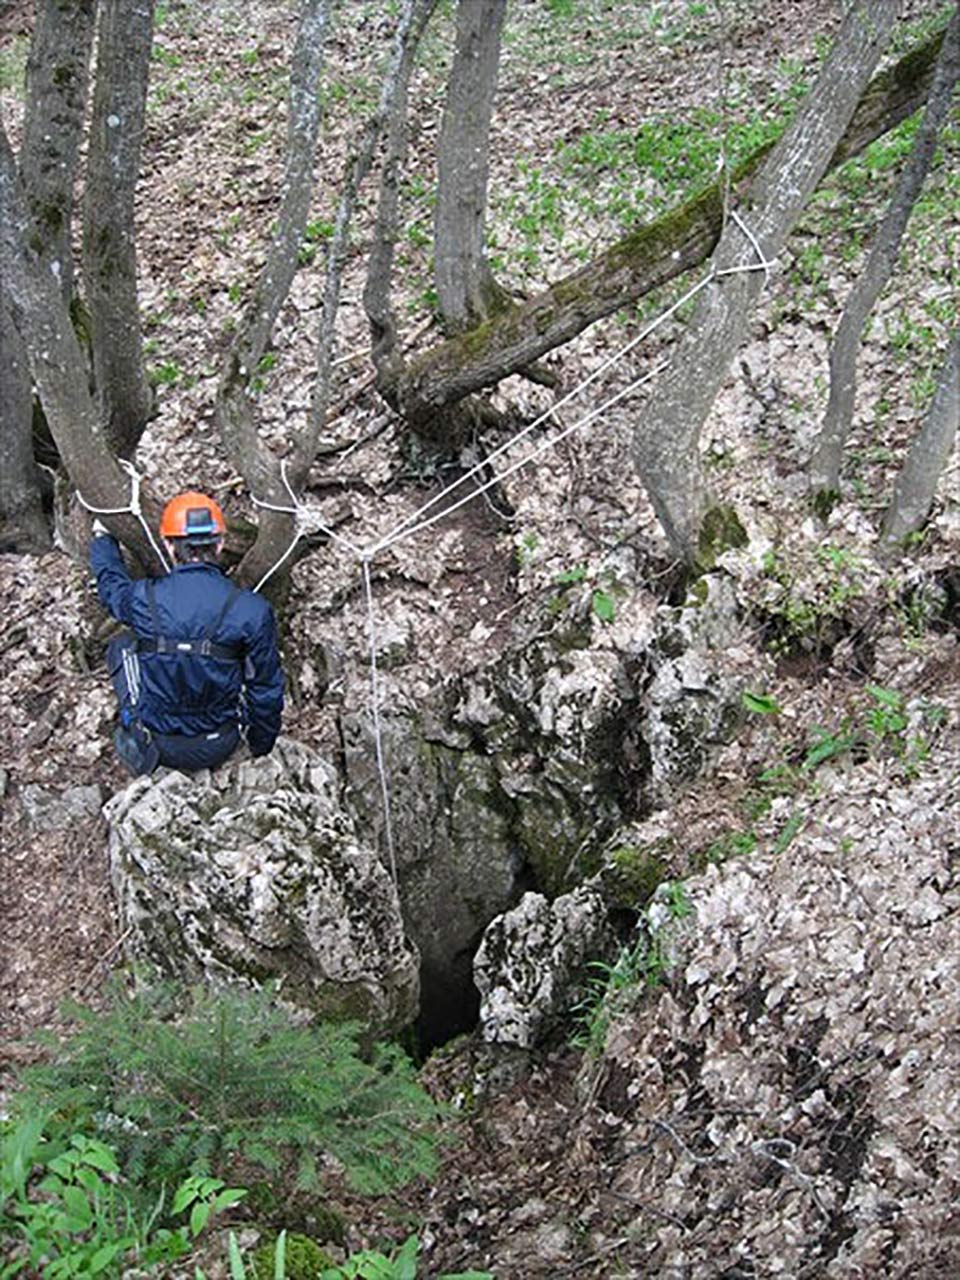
(254, 873)
(529, 957)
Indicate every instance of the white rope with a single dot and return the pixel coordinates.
(394, 534)
(377, 732)
(133, 508)
(543, 447)
(306, 521)
(762, 264)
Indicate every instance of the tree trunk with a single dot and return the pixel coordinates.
(57, 364)
(236, 403)
(666, 442)
(109, 245)
(649, 257)
(917, 483)
(828, 455)
(254, 462)
(58, 74)
(466, 289)
(24, 527)
(56, 93)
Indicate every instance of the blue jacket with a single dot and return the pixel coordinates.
(192, 693)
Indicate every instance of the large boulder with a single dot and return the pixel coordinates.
(254, 873)
(532, 963)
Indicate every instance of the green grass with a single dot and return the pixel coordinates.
(13, 65)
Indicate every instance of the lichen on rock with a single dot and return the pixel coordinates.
(255, 873)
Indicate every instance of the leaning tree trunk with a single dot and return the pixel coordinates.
(234, 406)
(649, 257)
(828, 455)
(466, 289)
(56, 94)
(236, 403)
(917, 483)
(57, 364)
(109, 244)
(666, 443)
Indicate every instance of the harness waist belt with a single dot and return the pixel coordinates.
(202, 648)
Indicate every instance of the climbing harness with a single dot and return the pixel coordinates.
(205, 647)
(133, 508)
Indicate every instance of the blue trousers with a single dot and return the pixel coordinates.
(140, 748)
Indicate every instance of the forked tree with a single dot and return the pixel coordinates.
(434, 390)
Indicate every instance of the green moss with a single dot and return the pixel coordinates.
(823, 502)
(633, 872)
(304, 1259)
(720, 530)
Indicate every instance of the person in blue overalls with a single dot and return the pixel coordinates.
(199, 668)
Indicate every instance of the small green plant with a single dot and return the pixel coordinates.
(166, 374)
(638, 967)
(809, 597)
(72, 1212)
(761, 704)
(603, 594)
(314, 233)
(230, 1078)
(277, 1262)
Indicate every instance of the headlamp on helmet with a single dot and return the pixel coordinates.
(192, 516)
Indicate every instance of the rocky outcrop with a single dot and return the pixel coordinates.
(513, 776)
(693, 703)
(532, 962)
(255, 873)
(791, 1094)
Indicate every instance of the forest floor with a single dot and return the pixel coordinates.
(573, 88)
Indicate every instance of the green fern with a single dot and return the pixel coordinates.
(233, 1078)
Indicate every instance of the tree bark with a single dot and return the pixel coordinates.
(58, 75)
(236, 397)
(466, 289)
(109, 244)
(916, 485)
(378, 288)
(828, 455)
(59, 369)
(56, 93)
(666, 443)
(646, 259)
(24, 527)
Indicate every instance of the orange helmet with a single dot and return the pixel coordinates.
(193, 516)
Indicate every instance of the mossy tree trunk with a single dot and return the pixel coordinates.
(666, 441)
(109, 246)
(828, 455)
(56, 95)
(429, 389)
(58, 366)
(466, 289)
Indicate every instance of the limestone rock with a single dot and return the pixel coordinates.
(530, 959)
(255, 873)
(701, 667)
(50, 810)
